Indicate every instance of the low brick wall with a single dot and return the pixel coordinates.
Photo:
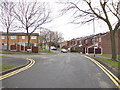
(35, 49)
(13, 47)
(23, 48)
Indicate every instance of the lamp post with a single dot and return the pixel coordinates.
(93, 33)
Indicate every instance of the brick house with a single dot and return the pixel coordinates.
(64, 44)
(106, 43)
(98, 44)
(85, 44)
(19, 39)
(75, 47)
(101, 45)
(93, 44)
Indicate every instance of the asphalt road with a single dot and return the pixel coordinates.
(65, 70)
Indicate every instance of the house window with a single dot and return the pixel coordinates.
(80, 42)
(2, 37)
(93, 40)
(86, 41)
(33, 37)
(23, 37)
(99, 39)
(35, 44)
(5, 44)
(13, 37)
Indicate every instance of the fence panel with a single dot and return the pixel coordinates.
(35, 49)
(13, 47)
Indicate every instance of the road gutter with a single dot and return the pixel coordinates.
(114, 78)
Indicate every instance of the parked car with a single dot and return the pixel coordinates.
(64, 50)
(53, 48)
(68, 49)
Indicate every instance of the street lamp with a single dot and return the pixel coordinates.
(93, 33)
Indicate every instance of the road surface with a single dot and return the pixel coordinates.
(65, 70)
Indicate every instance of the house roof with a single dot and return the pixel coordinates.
(19, 34)
(63, 42)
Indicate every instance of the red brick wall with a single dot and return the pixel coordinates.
(11, 41)
(18, 39)
(106, 43)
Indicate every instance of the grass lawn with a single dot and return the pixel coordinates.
(14, 52)
(6, 67)
(119, 57)
(110, 55)
(47, 51)
(113, 64)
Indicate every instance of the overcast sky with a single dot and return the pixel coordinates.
(61, 24)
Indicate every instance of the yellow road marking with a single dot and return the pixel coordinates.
(107, 72)
(110, 73)
(104, 68)
(32, 62)
(116, 83)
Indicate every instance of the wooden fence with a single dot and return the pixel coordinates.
(24, 48)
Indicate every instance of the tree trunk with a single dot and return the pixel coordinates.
(50, 43)
(28, 45)
(49, 46)
(113, 45)
(44, 46)
(7, 40)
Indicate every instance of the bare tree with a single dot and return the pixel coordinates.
(50, 37)
(32, 15)
(102, 9)
(44, 37)
(47, 36)
(57, 37)
(6, 17)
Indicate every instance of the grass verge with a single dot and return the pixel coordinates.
(6, 67)
(15, 52)
(47, 51)
(109, 55)
(113, 64)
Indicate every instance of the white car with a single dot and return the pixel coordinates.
(64, 50)
(53, 48)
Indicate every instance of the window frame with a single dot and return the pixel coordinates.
(23, 36)
(100, 39)
(11, 37)
(35, 37)
(2, 37)
(86, 41)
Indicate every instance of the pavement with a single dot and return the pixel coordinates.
(13, 61)
(64, 70)
(106, 57)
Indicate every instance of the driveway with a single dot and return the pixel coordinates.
(65, 70)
